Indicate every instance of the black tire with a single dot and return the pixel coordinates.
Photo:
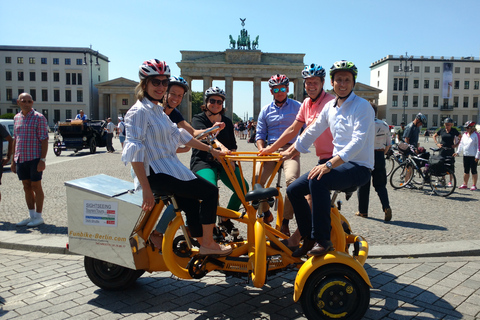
(335, 291)
(399, 177)
(110, 276)
(389, 164)
(93, 145)
(440, 183)
(56, 148)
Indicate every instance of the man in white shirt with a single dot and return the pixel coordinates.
(110, 129)
(351, 121)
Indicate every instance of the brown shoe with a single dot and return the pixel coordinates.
(321, 249)
(388, 214)
(307, 245)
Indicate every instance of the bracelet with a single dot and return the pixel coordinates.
(210, 148)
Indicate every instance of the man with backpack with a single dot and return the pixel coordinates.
(121, 130)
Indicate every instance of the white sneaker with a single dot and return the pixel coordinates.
(24, 222)
(35, 222)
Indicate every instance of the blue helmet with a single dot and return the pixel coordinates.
(179, 81)
(313, 70)
(422, 118)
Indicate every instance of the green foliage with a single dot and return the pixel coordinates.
(197, 101)
(7, 116)
(236, 118)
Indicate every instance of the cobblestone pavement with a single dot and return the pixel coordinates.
(418, 217)
(50, 286)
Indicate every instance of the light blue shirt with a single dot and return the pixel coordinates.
(153, 139)
(353, 129)
(273, 121)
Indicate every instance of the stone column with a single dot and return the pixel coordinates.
(113, 107)
(131, 100)
(101, 106)
(185, 107)
(229, 99)
(207, 83)
(298, 89)
(257, 94)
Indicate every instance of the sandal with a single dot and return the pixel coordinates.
(363, 215)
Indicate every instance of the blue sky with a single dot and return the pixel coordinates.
(129, 32)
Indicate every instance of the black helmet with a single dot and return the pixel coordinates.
(448, 120)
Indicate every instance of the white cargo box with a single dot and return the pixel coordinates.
(102, 216)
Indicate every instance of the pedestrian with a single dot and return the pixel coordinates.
(121, 130)
(150, 147)
(110, 129)
(30, 133)
(412, 130)
(449, 140)
(399, 132)
(379, 174)
(470, 146)
(426, 135)
(5, 135)
(351, 121)
(273, 120)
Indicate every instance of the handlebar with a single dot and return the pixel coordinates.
(208, 132)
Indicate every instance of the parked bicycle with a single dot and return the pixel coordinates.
(435, 171)
(393, 158)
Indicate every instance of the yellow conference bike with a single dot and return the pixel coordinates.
(107, 226)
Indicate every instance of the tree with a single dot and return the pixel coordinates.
(197, 101)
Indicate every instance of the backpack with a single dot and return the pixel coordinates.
(123, 128)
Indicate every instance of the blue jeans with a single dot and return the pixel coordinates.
(379, 180)
(315, 223)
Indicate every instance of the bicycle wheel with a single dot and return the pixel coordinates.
(389, 164)
(401, 176)
(417, 177)
(443, 185)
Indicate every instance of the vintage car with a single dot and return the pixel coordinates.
(77, 135)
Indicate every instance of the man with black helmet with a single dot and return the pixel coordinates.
(412, 130)
(351, 121)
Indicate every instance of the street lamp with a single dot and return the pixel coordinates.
(406, 69)
(97, 65)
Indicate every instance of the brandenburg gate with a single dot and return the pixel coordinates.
(242, 64)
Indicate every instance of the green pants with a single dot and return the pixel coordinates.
(211, 175)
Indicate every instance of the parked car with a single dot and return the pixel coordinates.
(8, 124)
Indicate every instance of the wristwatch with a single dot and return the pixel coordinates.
(328, 164)
(43, 159)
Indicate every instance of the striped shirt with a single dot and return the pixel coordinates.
(153, 139)
(28, 132)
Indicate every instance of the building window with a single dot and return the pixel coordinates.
(56, 77)
(415, 83)
(466, 85)
(19, 60)
(416, 69)
(9, 94)
(477, 70)
(456, 85)
(124, 102)
(43, 60)
(457, 69)
(395, 68)
(68, 114)
(68, 95)
(79, 96)
(425, 101)
(56, 115)
(79, 78)
(8, 75)
(44, 95)
(33, 93)
(426, 84)
(32, 76)
(8, 59)
(435, 101)
(31, 60)
(415, 101)
(394, 119)
(476, 84)
(455, 102)
(475, 102)
(378, 74)
(445, 103)
(56, 95)
(44, 76)
(67, 81)
(437, 69)
(74, 78)
(395, 84)
(68, 61)
(465, 102)
(20, 91)
(427, 69)
(79, 62)
(467, 70)
(400, 84)
(20, 75)
(56, 61)
(395, 101)
(405, 101)
(436, 84)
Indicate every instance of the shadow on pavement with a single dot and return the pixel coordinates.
(410, 224)
(43, 229)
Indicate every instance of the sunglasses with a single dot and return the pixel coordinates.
(277, 90)
(213, 101)
(156, 82)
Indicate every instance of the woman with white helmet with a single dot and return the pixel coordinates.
(150, 146)
(470, 146)
(203, 163)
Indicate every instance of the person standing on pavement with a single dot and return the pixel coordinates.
(400, 131)
(272, 122)
(351, 121)
(470, 146)
(30, 132)
(449, 138)
(110, 129)
(379, 174)
(314, 80)
(5, 135)
(121, 130)
(412, 130)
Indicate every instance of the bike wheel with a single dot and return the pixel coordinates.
(56, 148)
(389, 164)
(335, 291)
(417, 177)
(401, 176)
(444, 185)
(110, 276)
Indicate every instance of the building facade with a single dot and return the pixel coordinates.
(438, 87)
(61, 80)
